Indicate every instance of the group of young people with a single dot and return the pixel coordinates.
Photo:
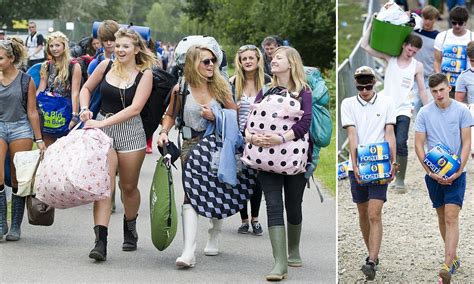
(436, 67)
(124, 81)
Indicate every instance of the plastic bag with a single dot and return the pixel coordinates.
(393, 14)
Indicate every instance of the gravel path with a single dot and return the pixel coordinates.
(412, 249)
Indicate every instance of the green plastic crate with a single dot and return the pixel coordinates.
(388, 38)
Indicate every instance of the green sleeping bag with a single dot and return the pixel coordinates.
(162, 206)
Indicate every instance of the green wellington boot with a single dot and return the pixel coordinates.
(278, 240)
(18, 208)
(399, 185)
(294, 235)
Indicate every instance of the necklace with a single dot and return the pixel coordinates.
(127, 85)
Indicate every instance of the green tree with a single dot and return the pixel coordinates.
(164, 19)
(27, 9)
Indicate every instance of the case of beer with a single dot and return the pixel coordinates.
(375, 172)
(442, 161)
(373, 152)
(343, 170)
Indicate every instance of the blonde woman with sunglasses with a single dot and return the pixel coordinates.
(124, 90)
(19, 124)
(248, 80)
(56, 77)
(207, 89)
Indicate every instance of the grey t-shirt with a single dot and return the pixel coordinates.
(444, 125)
(465, 84)
(192, 113)
(11, 101)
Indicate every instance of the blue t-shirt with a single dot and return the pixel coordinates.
(444, 125)
(465, 84)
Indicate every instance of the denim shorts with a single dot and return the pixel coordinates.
(14, 130)
(364, 192)
(446, 194)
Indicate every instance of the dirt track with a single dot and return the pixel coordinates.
(412, 249)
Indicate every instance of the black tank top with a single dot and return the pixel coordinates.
(112, 96)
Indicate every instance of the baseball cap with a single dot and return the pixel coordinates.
(364, 71)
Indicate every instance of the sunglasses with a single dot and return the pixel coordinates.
(209, 60)
(247, 47)
(367, 87)
(129, 30)
(457, 23)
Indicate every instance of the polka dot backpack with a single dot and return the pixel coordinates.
(277, 112)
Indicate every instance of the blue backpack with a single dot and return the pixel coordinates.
(321, 123)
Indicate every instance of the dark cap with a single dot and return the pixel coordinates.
(364, 71)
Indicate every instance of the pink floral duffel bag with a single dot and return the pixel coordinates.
(276, 114)
(75, 170)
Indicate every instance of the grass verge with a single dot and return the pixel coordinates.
(350, 23)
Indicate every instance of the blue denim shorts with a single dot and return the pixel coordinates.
(14, 130)
(364, 192)
(446, 194)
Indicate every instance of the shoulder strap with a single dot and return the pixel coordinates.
(25, 84)
(445, 35)
(107, 69)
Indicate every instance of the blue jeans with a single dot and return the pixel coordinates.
(401, 134)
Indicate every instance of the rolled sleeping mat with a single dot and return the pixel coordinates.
(145, 32)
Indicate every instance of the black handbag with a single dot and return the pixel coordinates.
(39, 213)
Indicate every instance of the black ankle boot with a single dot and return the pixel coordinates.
(18, 208)
(130, 236)
(3, 212)
(99, 252)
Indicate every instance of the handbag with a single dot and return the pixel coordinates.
(57, 113)
(75, 169)
(164, 219)
(26, 163)
(39, 213)
(278, 111)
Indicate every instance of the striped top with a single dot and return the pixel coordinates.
(244, 109)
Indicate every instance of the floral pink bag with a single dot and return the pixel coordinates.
(75, 170)
(276, 114)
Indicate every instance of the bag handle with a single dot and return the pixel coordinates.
(34, 173)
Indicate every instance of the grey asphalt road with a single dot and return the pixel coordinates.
(60, 253)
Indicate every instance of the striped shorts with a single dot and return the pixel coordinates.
(127, 136)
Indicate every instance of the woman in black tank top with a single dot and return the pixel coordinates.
(19, 121)
(124, 91)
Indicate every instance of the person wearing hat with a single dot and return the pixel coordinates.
(2, 34)
(369, 118)
(401, 74)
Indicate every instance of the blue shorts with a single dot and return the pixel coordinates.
(446, 194)
(14, 130)
(364, 192)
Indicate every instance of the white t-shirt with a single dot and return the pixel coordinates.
(369, 118)
(398, 83)
(454, 52)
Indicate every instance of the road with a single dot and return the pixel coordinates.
(60, 253)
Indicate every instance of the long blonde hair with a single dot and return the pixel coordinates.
(61, 63)
(144, 59)
(240, 75)
(297, 75)
(217, 85)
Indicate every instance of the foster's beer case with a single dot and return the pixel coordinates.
(442, 161)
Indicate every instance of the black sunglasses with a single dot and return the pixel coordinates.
(457, 23)
(362, 87)
(209, 60)
(247, 47)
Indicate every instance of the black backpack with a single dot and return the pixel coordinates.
(25, 84)
(155, 107)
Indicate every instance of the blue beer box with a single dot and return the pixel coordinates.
(373, 152)
(442, 161)
(343, 170)
(375, 172)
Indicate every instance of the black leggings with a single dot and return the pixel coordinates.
(293, 188)
(255, 201)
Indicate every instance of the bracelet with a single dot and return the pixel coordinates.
(39, 141)
(164, 130)
(282, 138)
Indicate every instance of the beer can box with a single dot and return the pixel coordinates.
(375, 172)
(343, 170)
(373, 152)
(442, 161)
